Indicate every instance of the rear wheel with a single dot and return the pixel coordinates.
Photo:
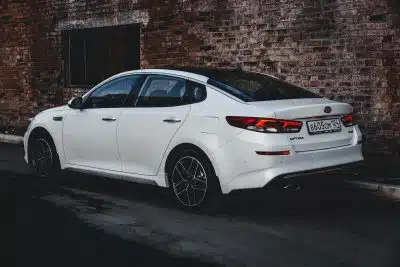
(193, 181)
(43, 157)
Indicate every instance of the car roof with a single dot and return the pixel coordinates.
(174, 72)
(204, 71)
(219, 72)
(197, 73)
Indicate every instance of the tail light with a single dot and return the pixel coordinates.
(265, 125)
(347, 120)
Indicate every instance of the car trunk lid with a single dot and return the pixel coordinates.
(304, 108)
(313, 113)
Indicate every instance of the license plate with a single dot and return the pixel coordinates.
(324, 126)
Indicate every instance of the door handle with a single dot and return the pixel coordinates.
(59, 118)
(172, 120)
(109, 119)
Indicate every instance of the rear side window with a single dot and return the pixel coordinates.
(251, 87)
(161, 91)
(195, 93)
(167, 91)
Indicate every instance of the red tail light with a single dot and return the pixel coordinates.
(265, 125)
(347, 120)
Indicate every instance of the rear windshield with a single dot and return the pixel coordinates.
(251, 87)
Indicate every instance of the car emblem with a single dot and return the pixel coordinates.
(327, 109)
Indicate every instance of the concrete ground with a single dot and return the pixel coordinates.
(78, 218)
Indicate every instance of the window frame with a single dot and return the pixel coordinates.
(68, 34)
(169, 76)
(137, 88)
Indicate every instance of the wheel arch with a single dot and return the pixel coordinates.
(180, 147)
(38, 131)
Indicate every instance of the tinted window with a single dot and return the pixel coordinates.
(162, 91)
(114, 93)
(257, 87)
(195, 92)
(250, 86)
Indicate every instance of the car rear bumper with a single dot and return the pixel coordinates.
(338, 173)
(340, 161)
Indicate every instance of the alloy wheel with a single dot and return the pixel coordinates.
(42, 156)
(189, 181)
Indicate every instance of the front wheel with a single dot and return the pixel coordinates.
(193, 181)
(44, 158)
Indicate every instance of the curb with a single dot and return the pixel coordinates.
(11, 139)
(384, 190)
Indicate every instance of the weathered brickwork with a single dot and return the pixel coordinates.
(347, 50)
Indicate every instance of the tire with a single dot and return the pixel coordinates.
(193, 182)
(43, 156)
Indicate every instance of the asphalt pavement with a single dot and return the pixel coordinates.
(75, 218)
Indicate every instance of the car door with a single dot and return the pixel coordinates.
(146, 129)
(90, 134)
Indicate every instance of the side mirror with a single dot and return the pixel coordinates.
(76, 103)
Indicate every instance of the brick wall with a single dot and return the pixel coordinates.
(347, 50)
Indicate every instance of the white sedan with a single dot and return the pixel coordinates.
(201, 132)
